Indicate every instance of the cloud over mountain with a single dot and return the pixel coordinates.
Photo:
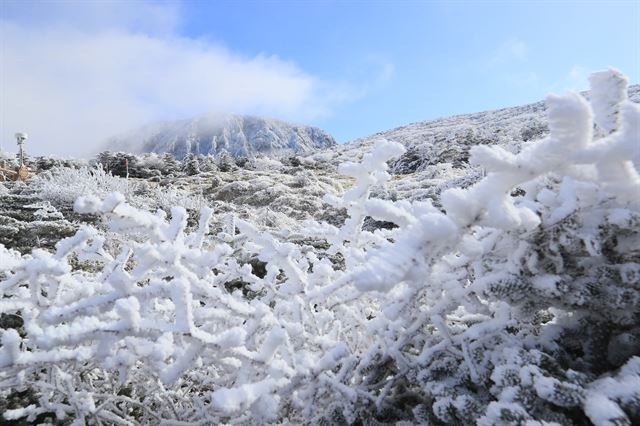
(72, 77)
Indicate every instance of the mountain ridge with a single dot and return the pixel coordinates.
(536, 107)
(448, 139)
(238, 135)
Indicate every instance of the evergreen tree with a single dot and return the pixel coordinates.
(191, 165)
(225, 161)
(208, 163)
(170, 165)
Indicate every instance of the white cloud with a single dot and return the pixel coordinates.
(386, 73)
(512, 50)
(577, 79)
(508, 62)
(146, 16)
(522, 79)
(372, 72)
(73, 77)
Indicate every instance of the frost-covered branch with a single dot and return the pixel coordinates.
(516, 303)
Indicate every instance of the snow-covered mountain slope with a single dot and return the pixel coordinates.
(268, 291)
(240, 136)
(448, 140)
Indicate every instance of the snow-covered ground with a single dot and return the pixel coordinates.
(475, 269)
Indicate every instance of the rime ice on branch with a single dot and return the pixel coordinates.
(505, 307)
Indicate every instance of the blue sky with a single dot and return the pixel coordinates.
(351, 67)
(415, 60)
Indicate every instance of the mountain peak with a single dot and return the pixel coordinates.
(239, 135)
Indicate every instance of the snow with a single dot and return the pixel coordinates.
(609, 90)
(604, 412)
(504, 291)
(233, 400)
(239, 136)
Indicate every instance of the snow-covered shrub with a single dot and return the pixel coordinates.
(166, 198)
(170, 165)
(65, 185)
(190, 165)
(48, 163)
(45, 211)
(207, 163)
(513, 302)
(62, 186)
(122, 164)
(262, 163)
(225, 162)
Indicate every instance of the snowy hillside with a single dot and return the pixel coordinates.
(437, 151)
(240, 136)
(448, 140)
(478, 270)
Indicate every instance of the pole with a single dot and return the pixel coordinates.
(21, 154)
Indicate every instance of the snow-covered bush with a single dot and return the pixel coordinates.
(65, 185)
(190, 165)
(122, 164)
(47, 163)
(262, 163)
(516, 302)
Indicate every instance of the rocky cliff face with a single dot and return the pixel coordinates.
(240, 136)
